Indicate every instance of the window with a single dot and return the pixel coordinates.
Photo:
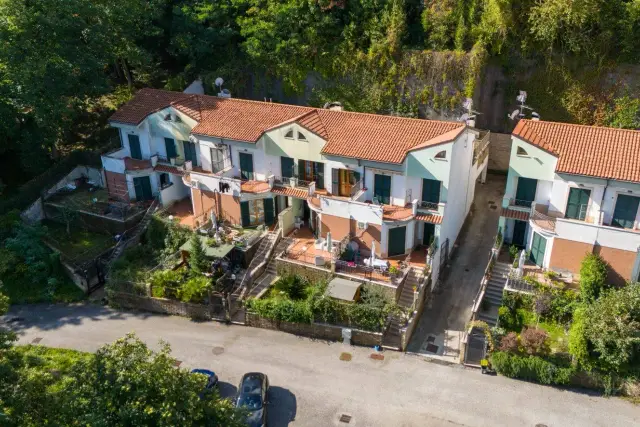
(190, 152)
(626, 211)
(218, 159)
(134, 147)
(246, 165)
(252, 212)
(430, 192)
(577, 203)
(177, 119)
(170, 146)
(441, 155)
(311, 171)
(167, 118)
(289, 134)
(382, 188)
(165, 181)
(287, 167)
(521, 152)
(301, 136)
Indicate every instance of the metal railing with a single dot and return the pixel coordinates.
(521, 203)
(432, 206)
(542, 220)
(355, 188)
(292, 181)
(480, 148)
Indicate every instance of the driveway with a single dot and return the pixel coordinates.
(313, 387)
(440, 327)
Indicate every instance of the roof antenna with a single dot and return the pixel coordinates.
(470, 116)
(222, 93)
(518, 113)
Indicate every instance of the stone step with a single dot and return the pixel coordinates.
(491, 321)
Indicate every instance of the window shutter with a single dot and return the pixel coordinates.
(170, 146)
(244, 214)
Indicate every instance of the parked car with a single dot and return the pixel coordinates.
(212, 378)
(253, 393)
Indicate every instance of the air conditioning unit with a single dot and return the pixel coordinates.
(362, 225)
(195, 183)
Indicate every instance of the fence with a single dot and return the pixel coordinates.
(214, 310)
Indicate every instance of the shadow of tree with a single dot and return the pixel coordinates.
(282, 407)
(227, 390)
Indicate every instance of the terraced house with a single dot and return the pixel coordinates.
(389, 184)
(573, 190)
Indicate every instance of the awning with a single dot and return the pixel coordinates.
(344, 289)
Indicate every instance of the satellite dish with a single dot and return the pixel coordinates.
(535, 116)
(464, 117)
(522, 97)
(514, 114)
(219, 81)
(467, 104)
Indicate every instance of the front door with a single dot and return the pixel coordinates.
(246, 166)
(142, 186)
(397, 238)
(526, 192)
(519, 233)
(344, 182)
(429, 233)
(268, 211)
(538, 247)
(624, 216)
(577, 203)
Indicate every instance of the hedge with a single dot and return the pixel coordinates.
(530, 368)
(32, 190)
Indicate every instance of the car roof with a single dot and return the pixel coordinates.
(203, 371)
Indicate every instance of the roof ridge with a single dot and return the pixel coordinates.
(581, 125)
(545, 144)
(390, 116)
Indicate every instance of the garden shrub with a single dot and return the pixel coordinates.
(530, 368)
(534, 341)
(165, 283)
(283, 309)
(593, 276)
(198, 262)
(509, 343)
(195, 289)
(513, 252)
(292, 286)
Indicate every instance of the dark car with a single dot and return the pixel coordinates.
(253, 393)
(212, 378)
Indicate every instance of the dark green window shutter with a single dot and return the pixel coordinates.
(287, 166)
(624, 215)
(246, 166)
(577, 203)
(382, 188)
(430, 190)
(335, 181)
(134, 147)
(319, 173)
(301, 166)
(268, 211)
(397, 240)
(526, 191)
(190, 152)
(170, 146)
(538, 246)
(244, 214)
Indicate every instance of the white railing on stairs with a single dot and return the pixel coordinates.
(253, 272)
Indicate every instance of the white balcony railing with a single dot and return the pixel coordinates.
(113, 161)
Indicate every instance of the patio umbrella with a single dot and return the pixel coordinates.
(329, 241)
(373, 253)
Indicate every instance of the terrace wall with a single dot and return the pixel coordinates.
(212, 311)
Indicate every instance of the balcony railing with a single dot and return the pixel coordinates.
(543, 221)
(480, 148)
(432, 206)
(355, 188)
(520, 203)
(292, 182)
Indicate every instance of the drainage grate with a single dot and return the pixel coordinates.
(217, 350)
(344, 418)
(36, 340)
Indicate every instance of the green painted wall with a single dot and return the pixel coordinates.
(277, 145)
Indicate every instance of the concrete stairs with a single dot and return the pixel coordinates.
(493, 293)
(392, 338)
(270, 273)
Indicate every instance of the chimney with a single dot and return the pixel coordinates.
(333, 106)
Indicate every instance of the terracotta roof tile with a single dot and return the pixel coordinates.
(586, 150)
(363, 136)
(289, 191)
(396, 213)
(131, 164)
(431, 218)
(515, 214)
(254, 187)
(169, 169)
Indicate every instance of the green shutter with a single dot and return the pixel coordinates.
(626, 210)
(170, 146)
(246, 166)
(429, 233)
(382, 188)
(134, 147)
(301, 166)
(319, 173)
(190, 152)
(268, 211)
(335, 181)
(244, 214)
(538, 246)
(526, 191)
(577, 203)
(430, 190)
(142, 187)
(287, 167)
(397, 238)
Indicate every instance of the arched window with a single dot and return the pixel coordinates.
(289, 134)
(301, 136)
(441, 155)
(178, 119)
(521, 152)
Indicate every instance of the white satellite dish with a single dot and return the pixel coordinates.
(514, 114)
(467, 104)
(522, 97)
(464, 117)
(219, 81)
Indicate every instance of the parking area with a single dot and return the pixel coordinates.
(443, 321)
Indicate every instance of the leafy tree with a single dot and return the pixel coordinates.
(197, 259)
(593, 276)
(625, 113)
(534, 341)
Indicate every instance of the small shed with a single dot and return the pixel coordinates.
(343, 289)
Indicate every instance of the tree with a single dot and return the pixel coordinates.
(625, 113)
(593, 276)
(197, 258)
(610, 327)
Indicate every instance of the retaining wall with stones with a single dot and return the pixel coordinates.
(499, 152)
(314, 330)
(214, 310)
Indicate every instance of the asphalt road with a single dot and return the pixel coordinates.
(311, 386)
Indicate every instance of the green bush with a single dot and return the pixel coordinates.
(530, 368)
(513, 252)
(198, 262)
(281, 309)
(294, 287)
(195, 289)
(593, 277)
(165, 283)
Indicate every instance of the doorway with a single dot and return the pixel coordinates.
(519, 233)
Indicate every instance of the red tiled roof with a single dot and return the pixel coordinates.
(586, 150)
(169, 169)
(431, 218)
(515, 214)
(131, 164)
(364, 136)
(289, 191)
(254, 187)
(397, 213)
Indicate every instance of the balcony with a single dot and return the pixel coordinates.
(523, 205)
(431, 207)
(118, 161)
(293, 186)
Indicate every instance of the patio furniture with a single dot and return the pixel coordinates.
(298, 223)
(377, 263)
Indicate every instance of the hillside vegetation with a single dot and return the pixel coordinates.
(64, 66)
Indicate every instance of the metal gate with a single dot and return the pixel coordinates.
(444, 253)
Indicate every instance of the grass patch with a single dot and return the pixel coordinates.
(49, 359)
(81, 245)
(31, 292)
(558, 338)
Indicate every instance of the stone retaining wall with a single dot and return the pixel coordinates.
(215, 310)
(499, 152)
(314, 330)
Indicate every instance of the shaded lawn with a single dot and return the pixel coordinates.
(81, 245)
(50, 359)
(29, 292)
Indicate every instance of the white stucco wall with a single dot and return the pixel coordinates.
(537, 164)
(361, 211)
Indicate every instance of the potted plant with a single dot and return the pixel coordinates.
(172, 160)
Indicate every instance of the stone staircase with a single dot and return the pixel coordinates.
(270, 272)
(393, 336)
(493, 293)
